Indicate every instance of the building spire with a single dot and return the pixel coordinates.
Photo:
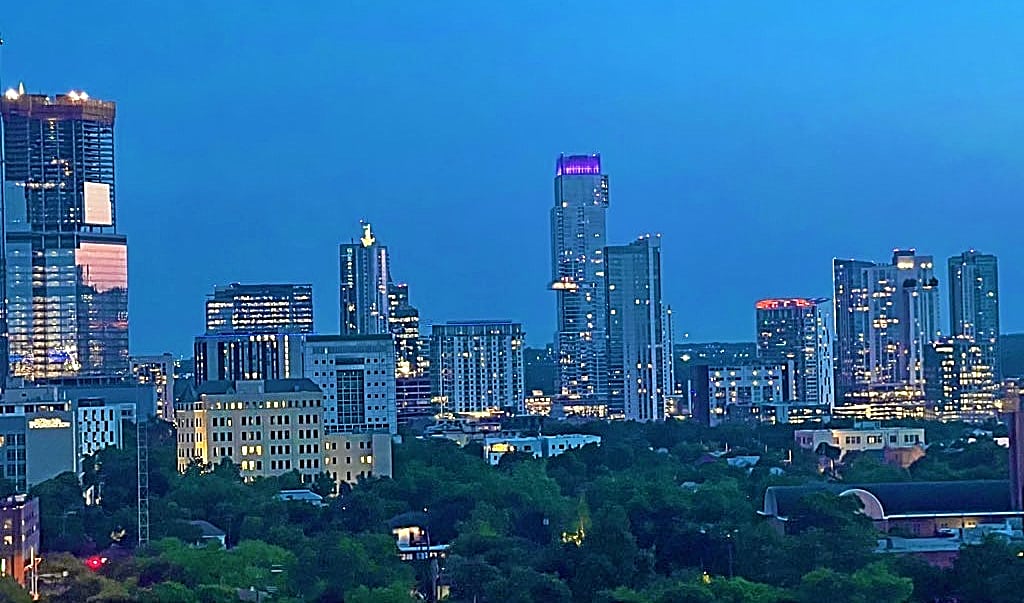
(367, 238)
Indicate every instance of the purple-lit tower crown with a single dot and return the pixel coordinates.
(578, 165)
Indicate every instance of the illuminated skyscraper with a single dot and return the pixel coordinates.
(66, 270)
(799, 330)
(477, 366)
(578, 275)
(639, 332)
(974, 303)
(886, 316)
(364, 286)
(237, 308)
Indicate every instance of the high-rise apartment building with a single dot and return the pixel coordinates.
(158, 371)
(269, 308)
(578, 275)
(477, 366)
(799, 330)
(357, 376)
(364, 286)
(639, 332)
(958, 380)
(974, 303)
(246, 356)
(66, 265)
(404, 324)
(886, 316)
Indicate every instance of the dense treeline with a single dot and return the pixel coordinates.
(648, 516)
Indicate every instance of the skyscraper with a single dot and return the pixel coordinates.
(66, 266)
(799, 330)
(238, 308)
(364, 286)
(958, 382)
(639, 332)
(974, 303)
(886, 316)
(477, 366)
(246, 356)
(404, 324)
(577, 276)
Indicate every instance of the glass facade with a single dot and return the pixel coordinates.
(577, 276)
(65, 266)
(974, 303)
(364, 286)
(237, 308)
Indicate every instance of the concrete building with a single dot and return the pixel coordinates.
(959, 384)
(266, 427)
(19, 539)
(887, 402)
(357, 375)
(577, 277)
(639, 327)
(721, 392)
(974, 303)
(100, 424)
(159, 372)
(863, 436)
(349, 457)
(540, 446)
(37, 436)
(886, 316)
(477, 366)
(262, 308)
(248, 356)
(800, 330)
(66, 277)
(364, 278)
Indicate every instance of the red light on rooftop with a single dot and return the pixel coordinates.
(775, 304)
(95, 562)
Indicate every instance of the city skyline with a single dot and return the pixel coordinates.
(673, 186)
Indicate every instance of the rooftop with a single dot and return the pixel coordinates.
(269, 386)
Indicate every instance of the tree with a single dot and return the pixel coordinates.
(12, 592)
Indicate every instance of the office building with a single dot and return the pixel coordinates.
(37, 436)
(100, 424)
(974, 303)
(357, 375)
(959, 385)
(577, 277)
(801, 330)
(66, 263)
(886, 316)
(739, 391)
(639, 332)
(265, 427)
(248, 309)
(248, 356)
(414, 399)
(884, 402)
(350, 457)
(364, 279)
(477, 366)
(158, 371)
(404, 324)
(687, 356)
(19, 538)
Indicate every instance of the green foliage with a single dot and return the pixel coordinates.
(12, 592)
(649, 516)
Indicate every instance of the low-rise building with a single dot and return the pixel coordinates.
(349, 457)
(538, 446)
(101, 424)
(266, 427)
(884, 402)
(19, 537)
(861, 437)
(37, 436)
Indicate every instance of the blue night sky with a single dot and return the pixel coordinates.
(760, 139)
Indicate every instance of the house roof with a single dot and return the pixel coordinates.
(902, 499)
(208, 529)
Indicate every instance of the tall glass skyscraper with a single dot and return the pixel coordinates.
(66, 266)
(974, 303)
(640, 369)
(886, 316)
(799, 330)
(364, 286)
(577, 277)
